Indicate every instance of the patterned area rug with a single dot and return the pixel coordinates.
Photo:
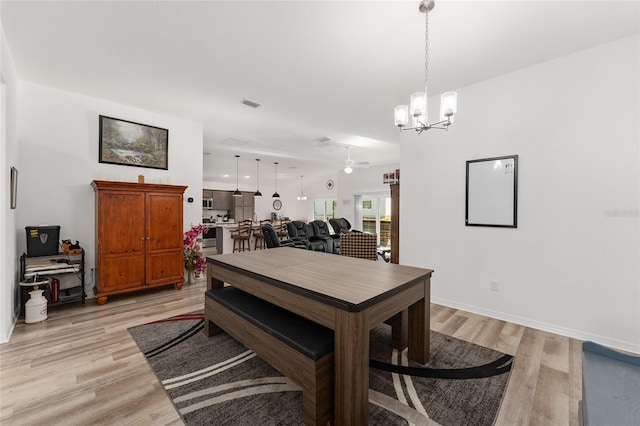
(218, 381)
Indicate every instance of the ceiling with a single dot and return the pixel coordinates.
(319, 69)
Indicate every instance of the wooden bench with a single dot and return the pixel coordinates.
(300, 349)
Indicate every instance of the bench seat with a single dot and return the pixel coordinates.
(610, 387)
(297, 347)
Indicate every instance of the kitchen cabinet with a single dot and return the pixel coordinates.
(221, 200)
(139, 237)
(243, 207)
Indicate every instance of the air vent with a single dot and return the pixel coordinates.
(323, 139)
(249, 103)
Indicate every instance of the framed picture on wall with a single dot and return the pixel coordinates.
(492, 192)
(14, 187)
(133, 144)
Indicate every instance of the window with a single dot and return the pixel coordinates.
(324, 209)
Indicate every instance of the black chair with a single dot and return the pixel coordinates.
(300, 231)
(341, 225)
(273, 241)
(321, 229)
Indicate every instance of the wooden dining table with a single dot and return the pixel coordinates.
(348, 295)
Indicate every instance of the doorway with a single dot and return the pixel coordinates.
(375, 216)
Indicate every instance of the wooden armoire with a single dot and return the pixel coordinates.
(139, 237)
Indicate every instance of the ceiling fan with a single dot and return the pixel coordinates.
(349, 164)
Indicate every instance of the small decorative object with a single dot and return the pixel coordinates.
(194, 261)
(277, 204)
(329, 184)
(36, 307)
(69, 248)
(133, 144)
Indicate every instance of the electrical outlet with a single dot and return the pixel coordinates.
(493, 285)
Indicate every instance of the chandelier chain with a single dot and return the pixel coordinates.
(426, 52)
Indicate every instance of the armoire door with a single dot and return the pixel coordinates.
(121, 240)
(164, 258)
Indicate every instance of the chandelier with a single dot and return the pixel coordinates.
(418, 106)
(301, 196)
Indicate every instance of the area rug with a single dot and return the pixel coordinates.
(218, 381)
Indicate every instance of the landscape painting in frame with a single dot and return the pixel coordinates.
(133, 144)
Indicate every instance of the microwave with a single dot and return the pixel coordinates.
(207, 203)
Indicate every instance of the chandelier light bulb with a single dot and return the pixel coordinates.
(401, 113)
(418, 104)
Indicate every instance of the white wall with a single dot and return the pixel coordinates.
(58, 147)
(8, 158)
(572, 265)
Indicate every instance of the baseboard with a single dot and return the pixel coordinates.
(538, 325)
(4, 337)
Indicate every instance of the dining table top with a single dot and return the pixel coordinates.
(348, 283)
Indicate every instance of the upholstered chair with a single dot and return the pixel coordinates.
(272, 240)
(362, 245)
(300, 231)
(341, 225)
(321, 229)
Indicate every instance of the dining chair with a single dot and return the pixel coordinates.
(258, 235)
(283, 234)
(242, 235)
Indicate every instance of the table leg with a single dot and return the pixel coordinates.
(211, 281)
(399, 329)
(419, 327)
(210, 328)
(351, 368)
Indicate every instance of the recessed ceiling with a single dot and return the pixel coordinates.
(318, 68)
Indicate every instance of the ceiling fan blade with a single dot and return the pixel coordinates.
(361, 164)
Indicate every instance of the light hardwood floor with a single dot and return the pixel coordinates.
(81, 366)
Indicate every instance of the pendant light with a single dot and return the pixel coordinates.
(257, 193)
(275, 194)
(302, 197)
(237, 192)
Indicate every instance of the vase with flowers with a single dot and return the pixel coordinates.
(194, 261)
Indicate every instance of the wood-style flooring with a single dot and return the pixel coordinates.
(81, 366)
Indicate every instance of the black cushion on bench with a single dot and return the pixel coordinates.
(307, 337)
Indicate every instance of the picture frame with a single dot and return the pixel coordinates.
(492, 192)
(14, 188)
(127, 143)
